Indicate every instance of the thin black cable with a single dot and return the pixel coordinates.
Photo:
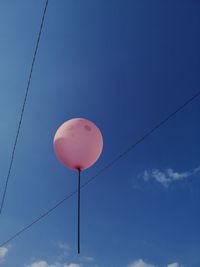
(38, 219)
(22, 110)
(148, 133)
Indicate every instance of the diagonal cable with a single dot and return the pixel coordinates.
(124, 153)
(22, 110)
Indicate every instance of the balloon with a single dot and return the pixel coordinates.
(78, 143)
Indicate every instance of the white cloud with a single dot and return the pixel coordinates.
(63, 246)
(57, 264)
(65, 251)
(87, 259)
(196, 170)
(39, 264)
(178, 176)
(61, 259)
(3, 253)
(175, 264)
(146, 175)
(137, 263)
(168, 176)
(140, 263)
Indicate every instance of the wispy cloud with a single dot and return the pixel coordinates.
(87, 259)
(57, 264)
(65, 259)
(64, 246)
(142, 263)
(168, 176)
(39, 264)
(3, 253)
(175, 264)
(137, 263)
(65, 251)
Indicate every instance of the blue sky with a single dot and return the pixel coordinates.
(124, 65)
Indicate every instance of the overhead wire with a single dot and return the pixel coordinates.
(125, 152)
(23, 108)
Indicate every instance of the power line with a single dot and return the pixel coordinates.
(23, 107)
(130, 148)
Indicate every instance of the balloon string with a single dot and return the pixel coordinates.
(79, 192)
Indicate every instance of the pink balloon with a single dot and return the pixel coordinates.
(78, 143)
